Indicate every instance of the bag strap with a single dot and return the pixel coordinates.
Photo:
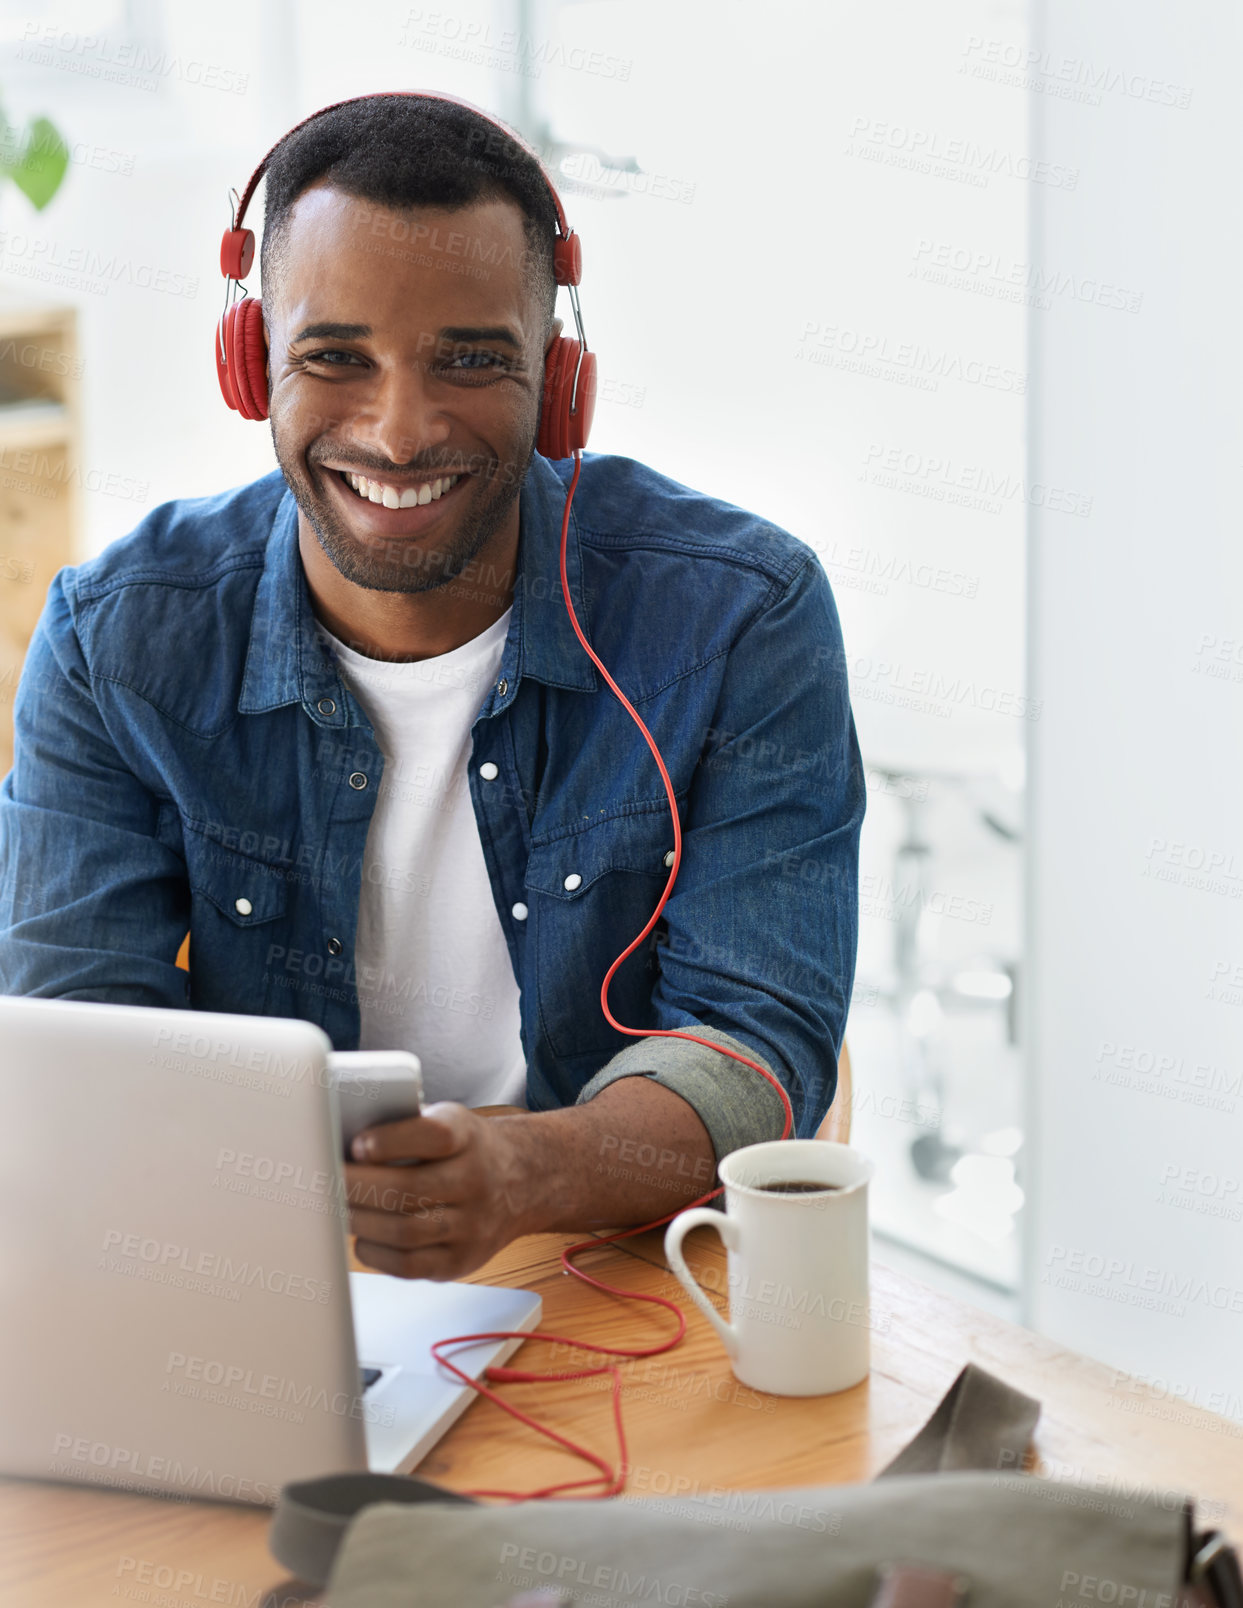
(312, 1516)
(980, 1423)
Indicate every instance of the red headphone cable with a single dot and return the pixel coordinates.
(612, 1479)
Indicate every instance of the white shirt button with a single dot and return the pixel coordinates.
(519, 912)
(488, 771)
(572, 881)
(669, 857)
(243, 907)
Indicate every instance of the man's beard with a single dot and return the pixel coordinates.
(405, 564)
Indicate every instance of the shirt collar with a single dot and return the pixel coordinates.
(286, 662)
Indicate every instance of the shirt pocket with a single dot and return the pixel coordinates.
(589, 895)
(236, 907)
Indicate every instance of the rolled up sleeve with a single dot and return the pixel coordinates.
(758, 939)
(736, 1110)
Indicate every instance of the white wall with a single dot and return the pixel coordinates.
(1136, 649)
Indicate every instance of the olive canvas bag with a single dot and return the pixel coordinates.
(951, 1520)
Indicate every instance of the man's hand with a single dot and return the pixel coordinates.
(635, 1153)
(449, 1213)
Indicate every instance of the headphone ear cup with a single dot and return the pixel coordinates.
(562, 432)
(248, 351)
(243, 368)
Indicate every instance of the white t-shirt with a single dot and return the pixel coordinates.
(433, 969)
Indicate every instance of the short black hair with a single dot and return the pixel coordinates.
(411, 151)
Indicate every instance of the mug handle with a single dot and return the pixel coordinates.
(674, 1235)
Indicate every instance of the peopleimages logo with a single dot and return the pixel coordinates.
(930, 152)
(230, 1384)
(531, 1568)
(449, 35)
(185, 1585)
(117, 61)
(1024, 66)
(175, 1045)
(75, 1455)
(924, 367)
(87, 269)
(1157, 1397)
(1169, 1077)
(928, 690)
(166, 1262)
(942, 262)
(44, 473)
(943, 480)
(1118, 1278)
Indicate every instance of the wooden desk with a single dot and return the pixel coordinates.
(691, 1429)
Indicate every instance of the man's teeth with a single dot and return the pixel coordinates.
(377, 491)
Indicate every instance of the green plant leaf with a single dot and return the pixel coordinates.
(41, 165)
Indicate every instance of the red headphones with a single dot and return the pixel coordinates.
(241, 353)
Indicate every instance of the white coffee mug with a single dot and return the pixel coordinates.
(798, 1266)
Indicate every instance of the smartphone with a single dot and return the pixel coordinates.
(374, 1086)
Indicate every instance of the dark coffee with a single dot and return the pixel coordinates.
(796, 1186)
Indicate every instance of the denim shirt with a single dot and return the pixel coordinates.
(189, 758)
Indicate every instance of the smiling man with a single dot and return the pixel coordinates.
(337, 725)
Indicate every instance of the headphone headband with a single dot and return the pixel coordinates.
(237, 251)
(252, 183)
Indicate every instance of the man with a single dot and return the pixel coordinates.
(337, 725)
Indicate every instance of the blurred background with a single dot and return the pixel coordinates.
(951, 292)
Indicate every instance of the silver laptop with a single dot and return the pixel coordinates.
(176, 1310)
